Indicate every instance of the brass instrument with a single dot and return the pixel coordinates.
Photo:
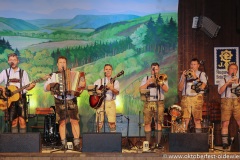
(161, 79)
(211, 137)
(189, 74)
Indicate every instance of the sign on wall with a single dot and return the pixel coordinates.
(223, 56)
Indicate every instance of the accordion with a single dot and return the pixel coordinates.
(75, 82)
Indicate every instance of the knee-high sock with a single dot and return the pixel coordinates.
(76, 141)
(198, 130)
(225, 138)
(158, 135)
(15, 129)
(23, 130)
(148, 136)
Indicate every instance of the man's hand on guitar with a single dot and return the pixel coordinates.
(110, 86)
(8, 93)
(99, 92)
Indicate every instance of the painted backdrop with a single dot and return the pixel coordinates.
(129, 34)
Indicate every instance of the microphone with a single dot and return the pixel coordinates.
(232, 75)
(105, 73)
(202, 61)
(153, 68)
(11, 64)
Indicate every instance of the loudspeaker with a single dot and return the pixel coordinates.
(102, 142)
(188, 142)
(235, 147)
(22, 142)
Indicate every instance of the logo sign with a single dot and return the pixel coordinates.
(223, 57)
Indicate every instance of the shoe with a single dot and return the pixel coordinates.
(159, 146)
(151, 147)
(225, 146)
(77, 148)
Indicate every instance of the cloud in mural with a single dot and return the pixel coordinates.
(61, 9)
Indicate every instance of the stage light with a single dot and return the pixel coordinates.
(119, 104)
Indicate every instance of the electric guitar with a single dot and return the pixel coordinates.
(5, 101)
(95, 100)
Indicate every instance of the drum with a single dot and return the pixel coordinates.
(175, 111)
(51, 134)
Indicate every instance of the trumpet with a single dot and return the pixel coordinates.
(189, 73)
(161, 79)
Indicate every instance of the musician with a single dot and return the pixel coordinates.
(230, 104)
(15, 76)
(192, 100)
(110, 105)
(72, 109)
(149, 82)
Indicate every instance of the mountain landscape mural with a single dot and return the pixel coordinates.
(130, 35)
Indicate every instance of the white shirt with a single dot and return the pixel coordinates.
(228, 92)
(14, 75)
(189, 91)
(154, 89)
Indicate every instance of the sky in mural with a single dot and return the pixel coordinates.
(35, 9)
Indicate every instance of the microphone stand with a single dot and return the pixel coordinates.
(104, 101)
(129, 144)
(139, 143)
(8, 94)
(157, 91)
(64, 96)
(65, 103)
(206, 92)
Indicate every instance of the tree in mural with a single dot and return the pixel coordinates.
(4, 45)
(138, 37)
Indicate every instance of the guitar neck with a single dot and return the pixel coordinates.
(113, 79)
(26, 86)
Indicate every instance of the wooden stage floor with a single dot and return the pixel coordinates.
(126, 154)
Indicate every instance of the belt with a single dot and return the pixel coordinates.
(156, 101)
(192, 95)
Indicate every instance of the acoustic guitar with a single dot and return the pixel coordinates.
(95, 100)
(15, 93)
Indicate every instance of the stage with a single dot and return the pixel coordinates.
(125, 155)
(132, 153)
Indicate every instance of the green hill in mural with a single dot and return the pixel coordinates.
(94, 21)
(46, 22)
(16, 25)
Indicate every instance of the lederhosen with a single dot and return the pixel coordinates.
(18, 108)
(72, 109)
(160, 103)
